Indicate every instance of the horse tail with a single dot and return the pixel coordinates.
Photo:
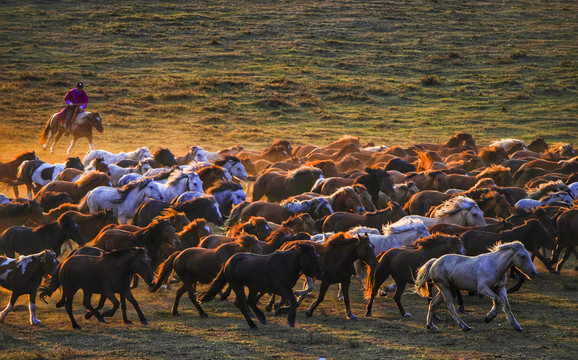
(370, 281)
(217, 285)
(53, 285)
(423, 276)
(165, 270)
(236, 214)
(44, 135)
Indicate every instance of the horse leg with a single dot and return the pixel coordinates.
(58, 136)
(68, 306)
(252, 302)
(128, 295)
(47, 140)
(461, 308)
(446, 293)
(242, 304)
(493, 312)
(9, 307)
(88, 306)
(123, 310)
(308, 286)
(178, 295)
(288, 294)
(345, 287)
(437, 300)
(32, 308)
(134, 284)
(322, 291)
(397, 297)
(521, 279)
(381, 274)
(90, 144)
(88, 314)
(225, 295)
(72, 143)
(192, 290)
(507, 309)
(270, 304)
(115, 304)
(566, 257)
(540, 257)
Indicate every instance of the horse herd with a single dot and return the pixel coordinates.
(449, 216)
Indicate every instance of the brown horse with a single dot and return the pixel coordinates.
(211, 175)
(9, 170)
(493, 155)
(200, 265)
(280, 237)
(343, 199)
(192, 234)
(337, 256)
(342, 221)
(256, 225)
(501, 176)
(452, 229)
(423, 201)
(91, 224)
(328, 167)
(402, 264)
(278, 187)
(431, 180)
(81, 127)
(15, 214)
(78, 189)
(567, 224)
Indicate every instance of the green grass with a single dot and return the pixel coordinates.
(391, 72)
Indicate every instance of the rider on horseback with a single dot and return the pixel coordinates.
(76, 100)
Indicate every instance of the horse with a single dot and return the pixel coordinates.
(337, 256)
(204, 207)
(165, 157)
(423, 201)
(343, 221)
(25, 241)
(343, 199)
(37, 173)
(485, 274)
(112, 158)
(178, 183)
(78, 189)
(9, 170)
(201, 265)
(123, 201)
(532, 234)
(192, 234)
(210, 175)
(234, 166)
(81, 127)
(49, 200)
(430, 180)
(452, 229)
(274, 273)
(546, 188)
(278, 187)
(555, 197)
(14, 214)
(107, 274)
(23, 276)
(227, 194)
(501, 176)
(402, 263)
(195, 154)
(277, 213)
(91, 224)
(458, 210)
(567, 223)
(116, 172)
(403, 192)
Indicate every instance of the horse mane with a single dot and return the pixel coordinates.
(90, 177)
(341, 190)
(247, 240)
(492, 170)
(224, 185)
(23, 155)
(341, 238)
(195, 204)
(319, 163)
(240, 227)
(302, 170)
(403, 225)
(63, 208)
(433, 174)
(294, 218)
(193, 224)
(346, 138)
(279, 234)
(208, 169)
(515, 245)
(426, 160)
(125, 190)
(227, 158)
(547, 187)
(484, 182)
(35, 257)
(433, 241)
(148, 234)
(454, 205)
(175, 177)
(168, 214)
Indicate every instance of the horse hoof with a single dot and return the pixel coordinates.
(308, 313)
(518, 328)
(352, 317)
(128, 322)
(488, 319)
(87, 316)
(461, 310)
(466, 328)
(101, 319)
(76, 327)
(176, 313)
(254, 328)
(555, 272)
(432, 327)
(368, 314)
(204, 315)
(407, 315)
(37, 322)
(291, 324)
(263, 321)
(144, 322)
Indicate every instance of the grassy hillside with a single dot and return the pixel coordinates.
(216, 73)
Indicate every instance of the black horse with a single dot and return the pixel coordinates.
(203, 207)
(274, 273)
(25, 241)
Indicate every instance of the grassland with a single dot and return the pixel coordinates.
(220, 73)
(216, 73)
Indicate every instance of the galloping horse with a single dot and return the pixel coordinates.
(81, 127)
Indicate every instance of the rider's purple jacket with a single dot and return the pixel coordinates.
(76, 98)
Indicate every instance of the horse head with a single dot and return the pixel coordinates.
(522, 259)
(49, 261)
(151, 189)
(95, 120)
(366, 251)
(71, 229)
(309, 261)
(142, 264)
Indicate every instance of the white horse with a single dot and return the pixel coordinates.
(485, 274)
(507, 144)
(123, 201)
(459, 210)
(112, 158)
(117, 172)
(195, 154)
(531, 204)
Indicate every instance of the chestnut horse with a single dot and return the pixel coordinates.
(343, 221)
(9, 170)
(78, 189)
(81, 127)
(278, 186)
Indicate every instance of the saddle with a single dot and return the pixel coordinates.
(62, 115)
